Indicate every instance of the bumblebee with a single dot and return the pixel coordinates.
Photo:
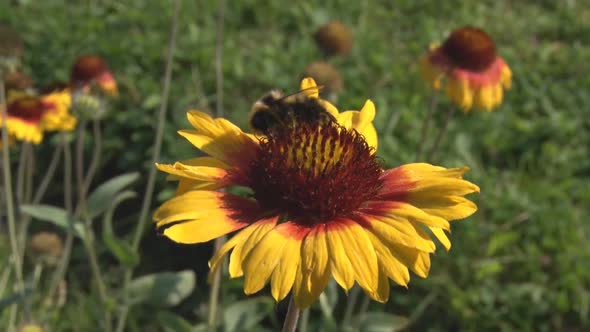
(275, 110)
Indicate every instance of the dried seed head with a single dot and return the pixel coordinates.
(334, 38)
(46, 247)
(470, 48)
(18, 81)
(325, 75)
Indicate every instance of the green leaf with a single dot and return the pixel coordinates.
(171, 322)
(165, 289)
(382, 322)
(18, 297)
(502, 240)
(246, 314)
(54, 215)
(119, 248)
(100, 200)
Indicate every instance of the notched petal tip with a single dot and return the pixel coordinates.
(309, 87)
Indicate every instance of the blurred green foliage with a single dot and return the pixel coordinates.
(522, 262)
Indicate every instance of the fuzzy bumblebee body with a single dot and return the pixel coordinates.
(275, 110)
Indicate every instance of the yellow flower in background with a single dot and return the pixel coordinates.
(321, 206)
(24, 116)
(57, 117)
(467, 66)
(89, 70)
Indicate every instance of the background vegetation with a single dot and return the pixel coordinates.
(522, 262)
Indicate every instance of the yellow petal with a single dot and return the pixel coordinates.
(243, 248)
(283, 276)
(198, 231)
(185, 185)
(235, 240)
(266, 255)
(418, 261)
(405, 211)
(329, 107)
(442, 237)
(361, 121)
(484, 98)
(309, 87)
(303, 297)
(397, 231)
(381, 293)
(389, 264)
(447, 207)
(221, 139)
(199, 216)
(339, 262)
(506, 77)
(315, 260)
(460, 92)
(200, 173)
(430, 72)
(353, 240)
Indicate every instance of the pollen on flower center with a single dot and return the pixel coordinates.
(470, 48)
(312, 174)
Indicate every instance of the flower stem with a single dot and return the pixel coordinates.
(62, 265)
(44, 184)
(95, 156)
(20, 172)
(304, 321)
(8, 192)
(441, 134)
(214, 291)
(216, 287)
(80, 136)
(149, 190)
(88, 242)
(350, 305)
(292, 317)
(29, 174)
(426, 124)
(21, 184)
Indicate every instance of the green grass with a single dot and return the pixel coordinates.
(520, 263)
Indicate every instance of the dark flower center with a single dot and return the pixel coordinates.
(87, 68)
(470, 48)
(29, 109)
(311, 174)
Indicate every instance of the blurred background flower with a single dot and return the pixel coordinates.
(467, 66)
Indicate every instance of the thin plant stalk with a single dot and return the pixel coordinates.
(95, 156)
(350, 305)
(29, 174)
(304, 321)
(292, 317)
(20, 172)
(441, 134)
(8, 192)
(80, 136)
(49, 172)
(214, 292)
(21, 184)
(426, 124)
(216, 282)
(88, 242)
(149, 190)
(62, 265)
